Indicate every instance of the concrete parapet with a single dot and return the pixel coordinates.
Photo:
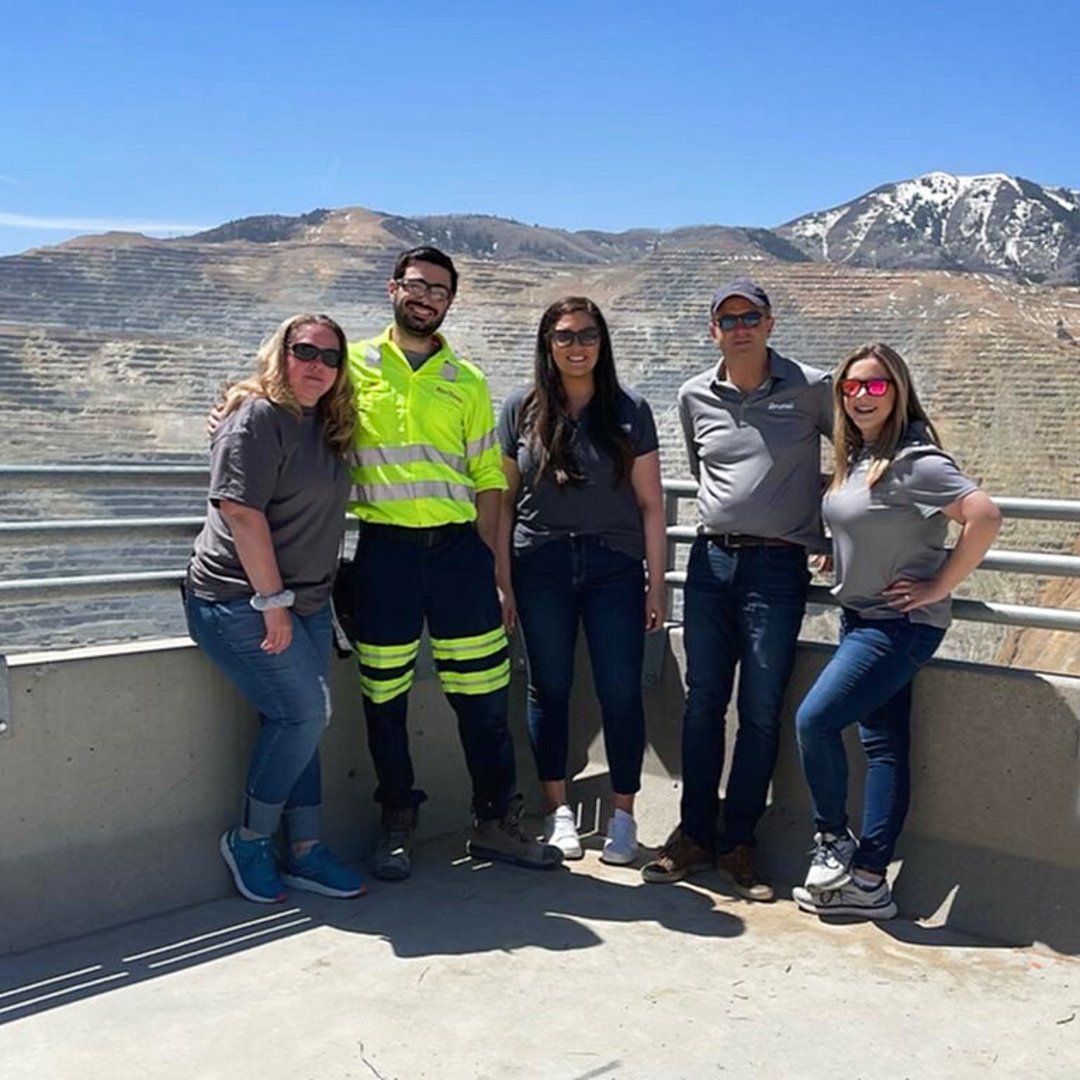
(121, 765)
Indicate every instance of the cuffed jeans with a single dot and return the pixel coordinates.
(867, 682)
(564, 582)
(742, 606)
(290, 691)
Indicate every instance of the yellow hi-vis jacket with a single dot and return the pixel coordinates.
(425, 442)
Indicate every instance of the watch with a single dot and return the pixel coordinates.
(285, 598)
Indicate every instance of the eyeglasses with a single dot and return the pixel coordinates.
(873, 387)
(589, 336)
(417, 287)
(749, 319)
(304, 350)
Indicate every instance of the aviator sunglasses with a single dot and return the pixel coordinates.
(589, 336)
(304, 350)
(749, 319)
(873, 387)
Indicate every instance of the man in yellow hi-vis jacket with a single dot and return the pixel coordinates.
(426, 475)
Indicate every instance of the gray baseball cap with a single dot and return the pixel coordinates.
(744, 287)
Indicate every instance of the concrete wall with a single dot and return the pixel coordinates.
(120, 766)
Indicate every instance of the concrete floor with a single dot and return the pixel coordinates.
(488, 973)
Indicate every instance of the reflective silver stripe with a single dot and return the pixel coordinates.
(404, 455)
(449, 372)
(478, 446)
(373, 356)
(425, 489)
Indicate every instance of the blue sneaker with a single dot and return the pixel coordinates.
(253, 866)
(319, 871)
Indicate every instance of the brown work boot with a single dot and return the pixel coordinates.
(678, 858)
(503, 840)
(740, 865)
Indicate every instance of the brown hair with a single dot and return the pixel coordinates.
(544, 407)
(848, 440)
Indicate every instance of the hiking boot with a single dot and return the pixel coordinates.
(502, 840)
(851, 898)
(740, 865)
(677, 859)
(830, 861)
(560, 830)
(319, 871)
(253, 866)
(392, 860)
(620, 846)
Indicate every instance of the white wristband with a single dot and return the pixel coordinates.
(283, 599)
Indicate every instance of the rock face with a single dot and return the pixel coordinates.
(987, 224)
(112, 348)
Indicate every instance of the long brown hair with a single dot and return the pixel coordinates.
(544, 407)
(847, 439)
(270, 380)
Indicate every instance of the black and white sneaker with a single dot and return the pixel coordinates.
(849, 899)
(830, 861)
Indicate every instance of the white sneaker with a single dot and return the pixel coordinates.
(621, 846)
(830, 862)
(560, 830)
(849, 899)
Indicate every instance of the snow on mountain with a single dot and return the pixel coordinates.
(991, 224)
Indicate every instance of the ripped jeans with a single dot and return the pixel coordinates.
(290, 691)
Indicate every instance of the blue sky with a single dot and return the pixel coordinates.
(596, 114)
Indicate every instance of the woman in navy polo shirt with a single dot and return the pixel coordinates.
(583, 510)
(888, 507)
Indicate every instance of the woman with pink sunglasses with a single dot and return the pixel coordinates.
(892, 496)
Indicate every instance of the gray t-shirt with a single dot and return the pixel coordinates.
(894, 529)
(757, 455)
(265, 457)
(545, 509)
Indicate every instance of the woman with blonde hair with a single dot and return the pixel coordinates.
(888, 507)
(258, 589)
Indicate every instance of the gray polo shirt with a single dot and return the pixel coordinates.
(757, 455)
(265, 457)
(894, 529)
(545, 510)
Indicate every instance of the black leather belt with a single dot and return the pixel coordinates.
(745, 540)
(430, 537)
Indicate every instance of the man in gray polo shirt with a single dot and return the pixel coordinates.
(753, 428)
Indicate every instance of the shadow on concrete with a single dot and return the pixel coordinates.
(450, 907)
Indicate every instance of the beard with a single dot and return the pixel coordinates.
(417, 323)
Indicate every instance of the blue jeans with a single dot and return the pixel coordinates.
(742, 606)
(867, 682)
(558, 585)
(290, 691)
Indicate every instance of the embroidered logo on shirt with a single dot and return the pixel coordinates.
(781, 406)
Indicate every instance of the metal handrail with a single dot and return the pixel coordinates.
(1020, 562)
(22, 589)
(1011, 507)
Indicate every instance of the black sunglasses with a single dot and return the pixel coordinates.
(749, 319)
(589, 336)
(304, 350)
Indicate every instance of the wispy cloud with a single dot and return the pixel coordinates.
(8, 180)
(78, 224)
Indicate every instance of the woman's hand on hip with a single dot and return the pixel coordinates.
(906, 595)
